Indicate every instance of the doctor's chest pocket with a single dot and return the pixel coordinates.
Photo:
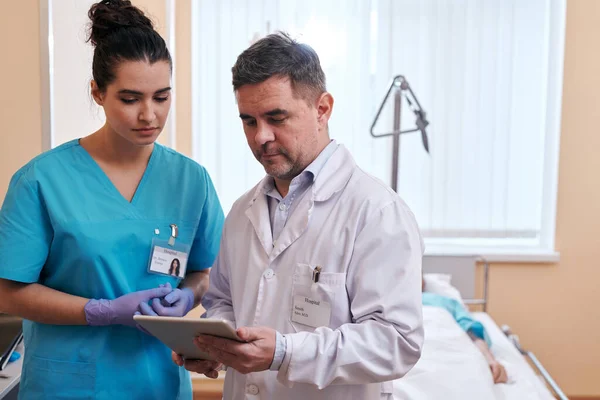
(324, 303)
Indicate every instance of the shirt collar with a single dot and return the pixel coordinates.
(340, 167)
(317, 165)
(309, 174)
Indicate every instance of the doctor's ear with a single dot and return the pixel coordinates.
(97, 94)
(324, 108)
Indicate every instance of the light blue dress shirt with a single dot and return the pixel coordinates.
(280, 208)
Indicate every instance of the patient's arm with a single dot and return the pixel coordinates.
(498, 371)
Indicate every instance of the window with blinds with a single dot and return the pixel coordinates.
(488, 73)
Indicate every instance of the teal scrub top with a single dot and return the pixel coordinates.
(462, 317)
(64, 225)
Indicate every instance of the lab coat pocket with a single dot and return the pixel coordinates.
(326, 291)
(59, 379)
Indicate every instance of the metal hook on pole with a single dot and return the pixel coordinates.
(402, 89)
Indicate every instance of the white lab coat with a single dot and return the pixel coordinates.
(369, 247)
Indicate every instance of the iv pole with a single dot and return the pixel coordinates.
(402, 88)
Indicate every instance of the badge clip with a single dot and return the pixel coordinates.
(174, 233)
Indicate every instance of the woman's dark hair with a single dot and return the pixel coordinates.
(174, 270)
(120, 32)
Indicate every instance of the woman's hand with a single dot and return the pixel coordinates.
(121, 310)
(176, 304)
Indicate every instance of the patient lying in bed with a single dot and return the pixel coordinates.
(473, 328)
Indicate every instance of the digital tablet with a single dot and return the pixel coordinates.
(11, 334)
(179, 333)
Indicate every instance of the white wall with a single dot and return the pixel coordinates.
(74, 113)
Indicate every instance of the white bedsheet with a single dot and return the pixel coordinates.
(451, 367)
(524, 383)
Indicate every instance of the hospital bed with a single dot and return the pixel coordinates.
(451, 367)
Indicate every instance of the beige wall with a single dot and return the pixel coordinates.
(554, 308)
(183, 72)
(20, 109)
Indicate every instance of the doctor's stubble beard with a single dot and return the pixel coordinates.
(290, 170)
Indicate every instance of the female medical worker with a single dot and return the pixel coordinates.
(84, 226)
(174, 268)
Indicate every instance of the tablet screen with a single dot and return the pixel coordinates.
(10, 330)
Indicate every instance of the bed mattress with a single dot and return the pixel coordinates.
(451, 367)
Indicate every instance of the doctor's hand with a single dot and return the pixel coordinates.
(256, 354)
(120, 310)
(176, 304)
(209, 368)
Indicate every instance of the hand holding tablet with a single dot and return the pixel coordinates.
(179, 333)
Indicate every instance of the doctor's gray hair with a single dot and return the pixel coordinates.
(279, 55)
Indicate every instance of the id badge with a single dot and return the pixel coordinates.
(167, 258)
(311, 311)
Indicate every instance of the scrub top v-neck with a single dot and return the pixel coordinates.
(109, 185)
(65, 225)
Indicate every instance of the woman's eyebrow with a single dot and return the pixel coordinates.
(137, 93)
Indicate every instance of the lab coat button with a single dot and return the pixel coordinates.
(269, 273)
(252, 389)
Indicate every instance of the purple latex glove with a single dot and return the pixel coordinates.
(120, 310)
(176, 304)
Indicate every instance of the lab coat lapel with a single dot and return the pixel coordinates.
(258, 214)
(295, 226)
(333, 177)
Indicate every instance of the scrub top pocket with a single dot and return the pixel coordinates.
(165, 248)
(185, 231)
(53, 379)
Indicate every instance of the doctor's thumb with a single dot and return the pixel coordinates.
(247, 334)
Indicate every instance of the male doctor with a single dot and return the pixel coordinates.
(320, 263)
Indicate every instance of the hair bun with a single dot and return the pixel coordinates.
(108, 16)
